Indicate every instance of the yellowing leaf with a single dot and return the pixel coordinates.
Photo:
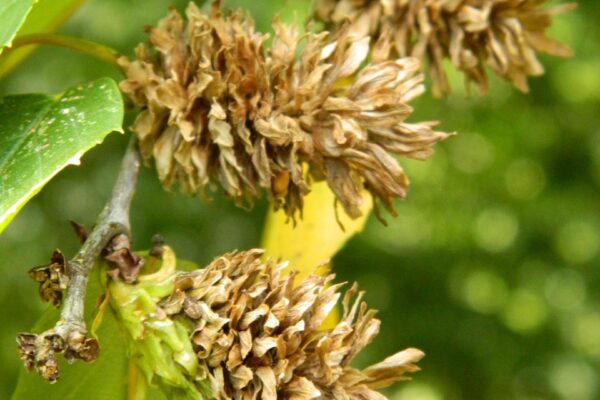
(317, 237)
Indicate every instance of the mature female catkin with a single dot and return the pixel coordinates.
(245, 329)
(221, 108)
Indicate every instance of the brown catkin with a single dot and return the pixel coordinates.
(504, 35)
(219, 108)
(257, 334)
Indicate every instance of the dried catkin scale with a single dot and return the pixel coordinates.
(504, 35)
(219, 108)
(244, 329)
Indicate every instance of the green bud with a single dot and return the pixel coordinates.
(160, 345)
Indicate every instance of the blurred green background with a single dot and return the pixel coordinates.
(492, 267)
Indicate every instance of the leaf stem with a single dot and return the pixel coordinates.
(69, 336)
(83, 46)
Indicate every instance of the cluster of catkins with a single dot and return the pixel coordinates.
(221, 108)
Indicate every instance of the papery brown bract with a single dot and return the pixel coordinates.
(219, 108)
(127, 264)
(504, 35)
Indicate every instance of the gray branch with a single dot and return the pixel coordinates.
(69, 334)
(113, 220)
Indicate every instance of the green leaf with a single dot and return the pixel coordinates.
(46, 16)
(40, 135)
(104, 379)
(288, 11)
(12, 16)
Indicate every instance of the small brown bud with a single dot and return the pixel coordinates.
(157, 246)
(80, 231)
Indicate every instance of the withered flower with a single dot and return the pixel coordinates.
(39, 352)
(53, 278)
(505, 35)
(220, 108)
(255, 333)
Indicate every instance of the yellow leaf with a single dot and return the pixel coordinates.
(316, 238)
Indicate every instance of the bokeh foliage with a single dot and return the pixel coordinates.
(492, 267)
